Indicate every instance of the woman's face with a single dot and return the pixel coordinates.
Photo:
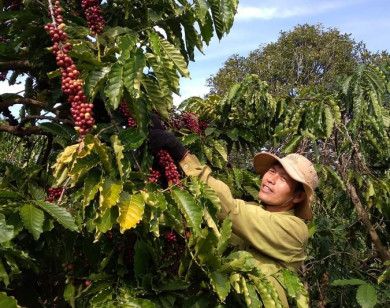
(277, 187)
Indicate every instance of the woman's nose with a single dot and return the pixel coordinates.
(271, 179)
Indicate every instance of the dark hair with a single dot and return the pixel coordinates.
(300, 187)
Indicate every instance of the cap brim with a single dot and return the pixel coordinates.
(263, 161)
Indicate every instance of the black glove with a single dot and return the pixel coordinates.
(160, 139)
(157, 123)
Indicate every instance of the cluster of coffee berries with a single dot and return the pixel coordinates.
(123, 108)
(72, 86)
(190, 119)
(54, 193)
(202, 126)
(171, 238)
(170, 170)
(154, 175)
(94, 16)
(174, 249)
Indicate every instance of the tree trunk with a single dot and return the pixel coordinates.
(383, 251)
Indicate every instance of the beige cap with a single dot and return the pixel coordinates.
(300, 169)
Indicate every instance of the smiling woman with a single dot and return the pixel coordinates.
(274, 234)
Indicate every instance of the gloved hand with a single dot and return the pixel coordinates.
(157, 124)
(160, 139)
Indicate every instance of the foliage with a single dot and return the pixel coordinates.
(110, 237)
(346, 132)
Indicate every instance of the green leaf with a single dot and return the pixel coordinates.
(291, 283)
(131, 138)
(6, 231)
(109, 193)
(189, 139)
(127, 43)
(91, 186)
(55, 129)
(335, 176)
(229, 9)
(69, 294)
(83, 164)
(215, 6)
(220, 149)
(329, 121)
(131, 209)
(192, 212)
(9, 194)
(226, 232)
(36, 191)
(114, 88)
(312, 226)
(105, 221)
(201, 9)
(102, 150)
(94, 80)
(161, 100)
(238, 261)
(346, 282)
(211, 195)
(60, 214)
(8, 301)
(118, 149)
(292, 144)
(220, 283)
(33, 219)
(132, 72)
(3, 274)
(191, 35)
(172, 285)
(385, 275)
(175, 56)
(206, 29)
(232, 134)
(366, 296)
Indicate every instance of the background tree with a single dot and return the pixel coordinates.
(303, 57)
(89, 217)
(341, 131)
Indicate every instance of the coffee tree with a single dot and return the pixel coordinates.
(346, 132)
(89, 217)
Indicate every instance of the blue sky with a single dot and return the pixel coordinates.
(260, 22)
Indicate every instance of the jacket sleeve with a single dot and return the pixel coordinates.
(279, 235)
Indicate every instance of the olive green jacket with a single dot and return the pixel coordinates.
(276, 240)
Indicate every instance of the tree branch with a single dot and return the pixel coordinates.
(22, 131)
(12, 65)
(21, 100)
(383, 252)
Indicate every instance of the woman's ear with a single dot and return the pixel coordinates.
(299, 197)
